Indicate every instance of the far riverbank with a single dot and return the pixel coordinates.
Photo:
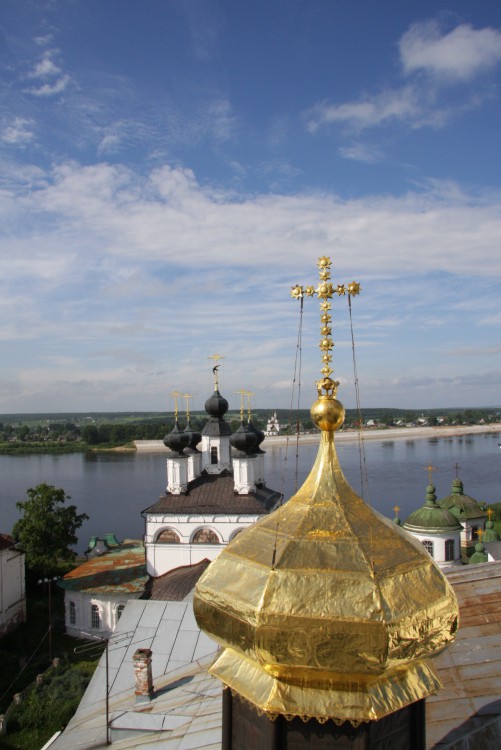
(370, 433)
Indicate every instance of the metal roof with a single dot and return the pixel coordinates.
(215, 493)
(186, 711)
(469, 706)
(120, 571)
(176, 584)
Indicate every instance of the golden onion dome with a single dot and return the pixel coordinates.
(325, 608)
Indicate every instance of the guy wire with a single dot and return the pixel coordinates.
(364, 480)
(297, 375)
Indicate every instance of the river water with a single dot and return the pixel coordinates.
(113, 488)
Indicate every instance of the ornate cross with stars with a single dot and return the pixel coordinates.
(325, 292)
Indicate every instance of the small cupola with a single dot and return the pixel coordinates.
(177, 463)
(244, 442)
(216, 434)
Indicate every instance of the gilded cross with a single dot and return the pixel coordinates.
(242, 395)
(249, 414)
(396, 509)
(480, 533)
(187, 397)
(216, 358)
(175, 395)
(430, 469)
(457, 467)
(490, 513)
(325, 291)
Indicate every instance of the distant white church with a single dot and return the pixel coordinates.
(273, 425)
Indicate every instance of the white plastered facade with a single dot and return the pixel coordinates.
(82, 619)
(162, 557)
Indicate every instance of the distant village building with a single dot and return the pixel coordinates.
(273, 425)
(12, 585)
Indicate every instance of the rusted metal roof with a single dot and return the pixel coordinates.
(469, 706)
(120, 571)
(6, 541)
(215, 493)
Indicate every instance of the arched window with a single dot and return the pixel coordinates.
(428, 546)
(205, 536)
(168, 536)
(95, 617)
(120, 610)
(449, 550)
(73, 613)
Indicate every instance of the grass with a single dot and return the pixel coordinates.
(24, 654)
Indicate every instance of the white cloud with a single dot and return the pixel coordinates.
(160, 269)
(45, 68)
(460, 54)
(362, 152)
(48, 89)
(396, 104)
(19, 132)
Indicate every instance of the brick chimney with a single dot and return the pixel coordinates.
(143, 675)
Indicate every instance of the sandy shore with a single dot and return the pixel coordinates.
(395, 433)
(369, 433)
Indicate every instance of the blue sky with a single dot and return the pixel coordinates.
(170, 169)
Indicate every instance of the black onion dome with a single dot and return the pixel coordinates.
(195, 437)
(259, 435)
(177, 440)
(216, 405)
(244, 440)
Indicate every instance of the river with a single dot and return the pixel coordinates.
(113, 488)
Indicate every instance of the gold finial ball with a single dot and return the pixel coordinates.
(327, 413)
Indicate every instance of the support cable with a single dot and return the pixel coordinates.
(296, 377)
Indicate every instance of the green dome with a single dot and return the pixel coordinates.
(480, 555)
(431, 518)
(460, 505)
(490, 533)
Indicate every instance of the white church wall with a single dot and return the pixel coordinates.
(88, 614)
(439, 553)
(162, 557)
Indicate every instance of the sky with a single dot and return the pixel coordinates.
(170, 169)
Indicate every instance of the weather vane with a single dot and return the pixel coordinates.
(325, 292)
(216, 358)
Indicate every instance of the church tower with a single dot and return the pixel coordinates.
(326, 611)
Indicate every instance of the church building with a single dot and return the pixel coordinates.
(211, 495)
(437, 529)
(468, 512)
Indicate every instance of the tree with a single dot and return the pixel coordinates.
(46, 531)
